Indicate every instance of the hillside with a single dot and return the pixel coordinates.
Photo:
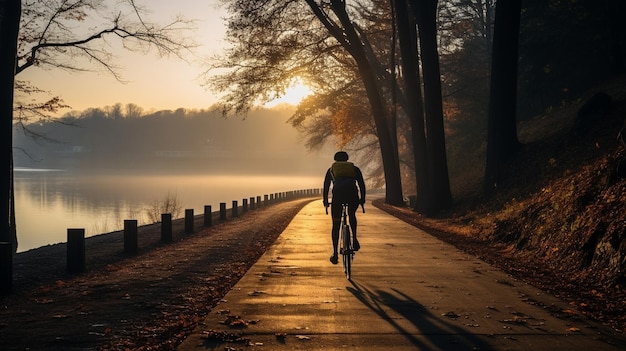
(559, 221)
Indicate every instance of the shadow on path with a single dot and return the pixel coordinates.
(433, 333)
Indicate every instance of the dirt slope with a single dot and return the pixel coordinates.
(559, 219)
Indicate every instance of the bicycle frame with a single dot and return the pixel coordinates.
(345, 242)
(346, 250)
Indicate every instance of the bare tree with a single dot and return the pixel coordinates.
(61, 34)
(133, 111)
(82, 35)
(75, 35)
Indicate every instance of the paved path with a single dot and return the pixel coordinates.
(409, 291)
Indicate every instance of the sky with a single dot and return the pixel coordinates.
(151, 82)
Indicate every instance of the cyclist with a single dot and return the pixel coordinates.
(345, 177)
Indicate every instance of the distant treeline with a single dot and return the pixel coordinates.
(180, 140)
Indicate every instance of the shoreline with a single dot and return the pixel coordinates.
(50, 202)
(107, 248)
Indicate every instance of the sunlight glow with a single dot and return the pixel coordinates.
(293, 95)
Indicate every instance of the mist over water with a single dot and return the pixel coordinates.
(105, 167)
(48, 202)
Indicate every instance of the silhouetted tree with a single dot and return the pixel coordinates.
(9, 27)
(425, 12)
(49, 36)
(502, 139)
(407, 37)
(74, 35)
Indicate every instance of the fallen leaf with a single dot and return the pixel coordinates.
(235, 321)
(451, 315)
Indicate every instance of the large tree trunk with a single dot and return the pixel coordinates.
(10, 11)
(388, 149)
(426, 15)
(502, 140)
(407, 36)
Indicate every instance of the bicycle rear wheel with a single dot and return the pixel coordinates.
(347, 251)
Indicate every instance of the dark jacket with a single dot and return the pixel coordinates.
(347, 181)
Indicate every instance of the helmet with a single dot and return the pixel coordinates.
(341, 156)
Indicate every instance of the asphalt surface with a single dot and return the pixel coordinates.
(409, 291)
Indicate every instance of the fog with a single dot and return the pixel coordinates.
(180, 142)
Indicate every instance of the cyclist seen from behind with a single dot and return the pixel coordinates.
(348, 187)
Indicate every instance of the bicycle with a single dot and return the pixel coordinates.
(346, 248)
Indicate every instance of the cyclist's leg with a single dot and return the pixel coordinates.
(335, 211)
(353, 223)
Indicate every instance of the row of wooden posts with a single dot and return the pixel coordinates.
(76, 236)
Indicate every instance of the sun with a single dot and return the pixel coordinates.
(296, 92)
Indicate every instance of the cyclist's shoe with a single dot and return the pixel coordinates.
(355, 245)
(334, 259)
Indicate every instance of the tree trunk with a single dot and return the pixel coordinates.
(426, 15)
(407, 36)
(388, 149)
(502, 140)
(10, 11)
(393, 114)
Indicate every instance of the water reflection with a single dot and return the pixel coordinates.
(48, 201)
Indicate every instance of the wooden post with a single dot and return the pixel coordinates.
(235, 209)
(208, 216)
(166, 227)
(131, 245)
(252, 205)
(222, 211)
(75, 250)
(244, 205)
(189, 221)
(266, 199)
(6, 268)
(258, 201)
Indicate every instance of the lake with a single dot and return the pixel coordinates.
(48, 202)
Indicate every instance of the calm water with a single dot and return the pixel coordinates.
(48, 202)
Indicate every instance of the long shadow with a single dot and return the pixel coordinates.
(436, 334)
